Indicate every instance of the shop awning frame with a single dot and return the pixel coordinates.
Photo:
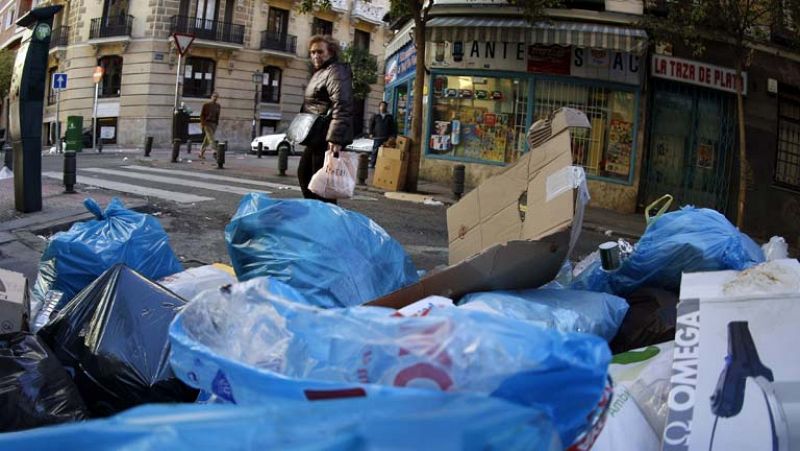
(600, 36)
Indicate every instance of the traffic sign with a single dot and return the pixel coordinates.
(183, 41)
(59, 81)
(97, 76)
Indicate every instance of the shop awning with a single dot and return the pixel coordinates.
(598, 36)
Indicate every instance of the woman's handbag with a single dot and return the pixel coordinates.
(308, 129)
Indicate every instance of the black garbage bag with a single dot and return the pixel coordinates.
(35, 390)
(114, 335)
(651, 318)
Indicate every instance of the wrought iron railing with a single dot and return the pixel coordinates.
(281, 42)
(60, 37)
(107, 27)
(209, 30)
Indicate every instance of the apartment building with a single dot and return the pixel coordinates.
(234, 39)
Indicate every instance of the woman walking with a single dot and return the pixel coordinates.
(329, 92)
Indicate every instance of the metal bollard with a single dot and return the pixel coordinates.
(148, 146)
(176, 149)
(221, 154)
(363, 168)
(70, 172)
(99, 146)
(188, 146)
(260, 150)
(283, 160)
(458, 180)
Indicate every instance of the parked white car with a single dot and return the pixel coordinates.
(362, 144)
(272, 144)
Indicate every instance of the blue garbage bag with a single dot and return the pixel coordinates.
(253, 342)
(433, 421)
(565, 310)
(332, 256)
(75, 258)
(688, 240)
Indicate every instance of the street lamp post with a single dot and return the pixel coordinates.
(258, 78)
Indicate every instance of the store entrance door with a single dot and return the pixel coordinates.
(692, 145)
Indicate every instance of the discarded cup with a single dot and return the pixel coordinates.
(609, 255)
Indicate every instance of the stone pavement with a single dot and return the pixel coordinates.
(22, 235)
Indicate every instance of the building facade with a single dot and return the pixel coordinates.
(664, 120)
(131, 41)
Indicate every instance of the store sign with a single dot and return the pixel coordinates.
(548, 59)
(697, 73)
(402, 63)
(509, 56)
(606, 65)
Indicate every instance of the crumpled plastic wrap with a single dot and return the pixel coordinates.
(332, 256)
(35, 390)
(255, 341)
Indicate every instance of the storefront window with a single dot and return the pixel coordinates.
(401, 103)
(478, 118)
(606, 150)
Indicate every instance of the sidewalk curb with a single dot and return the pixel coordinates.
(54, 222)
(598, 228)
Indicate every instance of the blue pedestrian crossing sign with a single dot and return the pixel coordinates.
(59, 81)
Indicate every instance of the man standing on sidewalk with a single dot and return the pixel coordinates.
(209, 118)
(381, 128)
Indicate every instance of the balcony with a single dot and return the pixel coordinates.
(367, 12)
(209, 30)
(111, 27)
(339, 6)
(60, 37)
(278, 42)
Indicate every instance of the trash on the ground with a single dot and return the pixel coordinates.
(775, 249)
(191, 282)
(432, 202)
(529, 200)
(35, 390)
(113, 337)
(563, 310)
(332, 256)
(75, 258)
(254, 340)
(426, 421)
(772, 277)
(50, 306)
(424, 306)
(391, 165)
(125, 159)
(651, 319)
(157, 213)
(6, 173)
(735, 378)
(638, 411)
(14, 301)
(511, 266)
(687, 240)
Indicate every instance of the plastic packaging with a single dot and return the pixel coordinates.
(75, 258)
(188, 284)
(436, 422)
(564, 310)
(775, 249)
(113, 336)
(688, 240)
(337, 177)
(35, 390)
(332, 256)
(253, 342)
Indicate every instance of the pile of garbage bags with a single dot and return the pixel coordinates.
(280, 351)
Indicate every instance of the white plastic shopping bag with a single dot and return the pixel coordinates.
(337, 178)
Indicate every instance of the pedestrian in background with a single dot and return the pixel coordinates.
(381, 128)
(329, 92)
(209, 119)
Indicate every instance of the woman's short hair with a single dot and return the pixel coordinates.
(333, 45)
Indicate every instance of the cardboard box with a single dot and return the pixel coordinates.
(391, 166)
(514, 205)
(514, 265)
(13, 301)
(403, 143)
(735, 379)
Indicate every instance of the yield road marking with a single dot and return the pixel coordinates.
(206, 176)
(133, 189)
(174, 181)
